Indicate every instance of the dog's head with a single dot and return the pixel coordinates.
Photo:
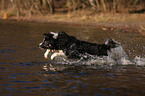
(49, 41)
(57, 41)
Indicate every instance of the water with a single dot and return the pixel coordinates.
(24, 71)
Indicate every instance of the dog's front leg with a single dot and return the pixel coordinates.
(59, 53)
(46, 53)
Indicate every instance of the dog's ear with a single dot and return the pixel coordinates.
(55, 35)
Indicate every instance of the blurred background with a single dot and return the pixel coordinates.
(85, 8)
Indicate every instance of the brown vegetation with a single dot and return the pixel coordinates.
(34, 7)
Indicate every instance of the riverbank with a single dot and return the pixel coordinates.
(126, 22)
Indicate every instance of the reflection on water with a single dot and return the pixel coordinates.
(24, 71)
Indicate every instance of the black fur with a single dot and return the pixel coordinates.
(74, 48)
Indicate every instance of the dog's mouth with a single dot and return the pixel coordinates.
(42, 46)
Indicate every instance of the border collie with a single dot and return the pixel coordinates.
(69, 46)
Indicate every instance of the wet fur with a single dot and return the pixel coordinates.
(74, 48)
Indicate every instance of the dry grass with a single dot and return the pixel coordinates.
(10, 12)
(142, 29)
(84, 16)
(88, 16)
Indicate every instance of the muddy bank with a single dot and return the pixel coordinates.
(128, 26)
(124, 22)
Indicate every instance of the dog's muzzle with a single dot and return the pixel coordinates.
(41, 46)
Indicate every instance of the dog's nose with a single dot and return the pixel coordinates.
(40, 45)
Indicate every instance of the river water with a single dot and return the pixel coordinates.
(25, 72)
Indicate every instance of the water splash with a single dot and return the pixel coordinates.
(139, 61)
(117, 56)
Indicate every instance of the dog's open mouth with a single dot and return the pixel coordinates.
(42, 46)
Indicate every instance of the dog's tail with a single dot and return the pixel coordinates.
(111, 43)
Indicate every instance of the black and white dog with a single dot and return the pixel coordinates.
(71, 47)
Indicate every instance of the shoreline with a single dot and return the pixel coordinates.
(137, 25)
